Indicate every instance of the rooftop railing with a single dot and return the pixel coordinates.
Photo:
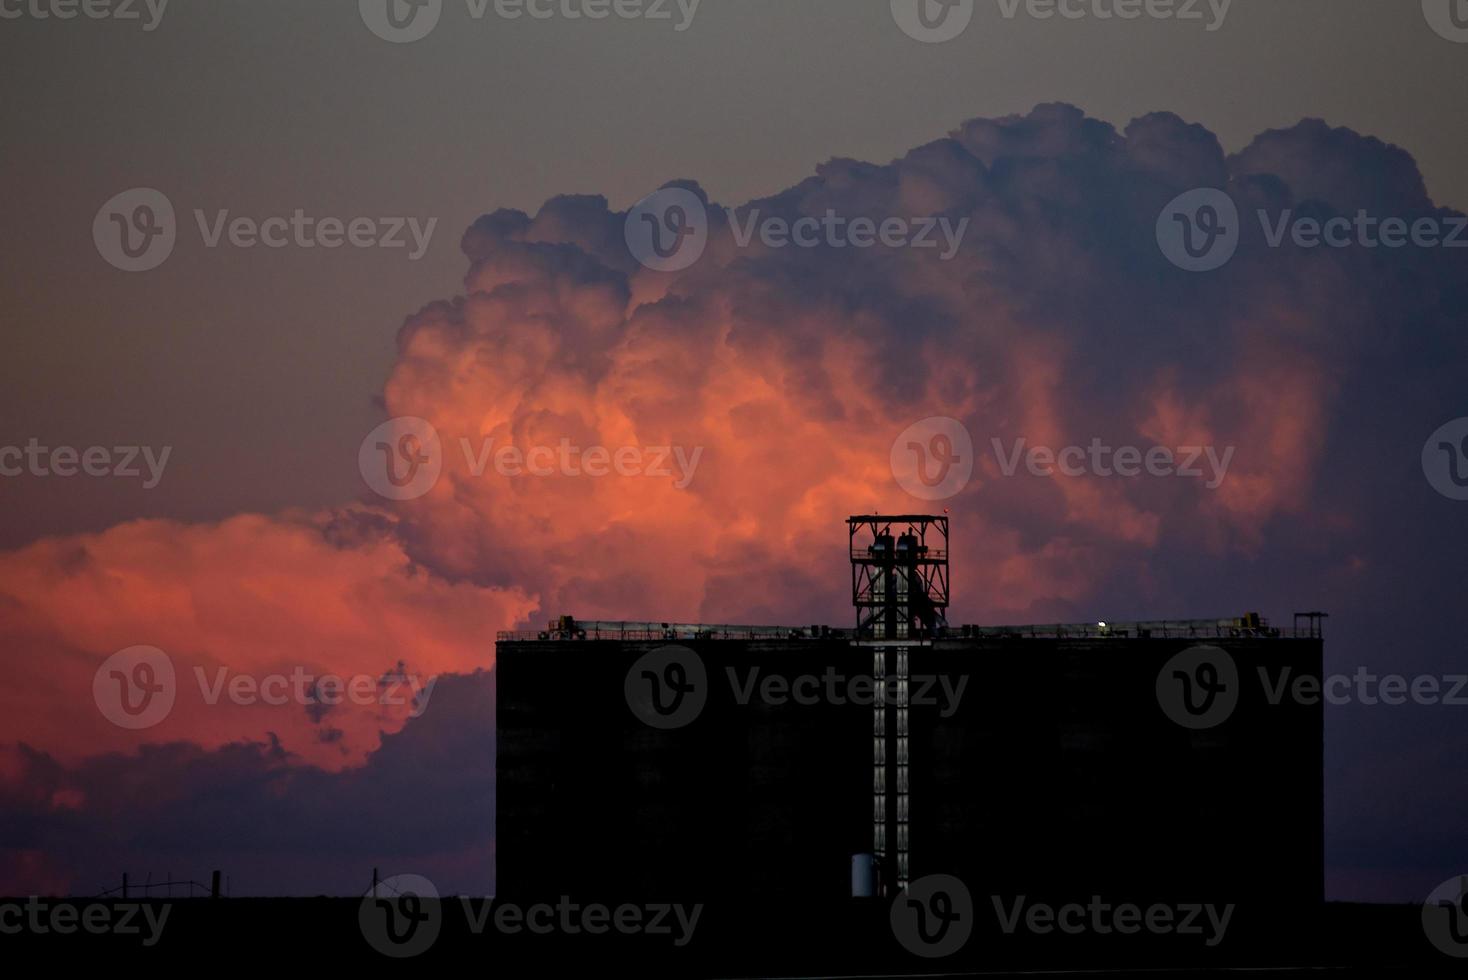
(1154, 629)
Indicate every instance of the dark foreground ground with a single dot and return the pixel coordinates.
(780, 939)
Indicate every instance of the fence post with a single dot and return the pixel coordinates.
(214, 885)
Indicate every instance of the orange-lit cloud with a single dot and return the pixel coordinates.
(758, 394)
(233, 604)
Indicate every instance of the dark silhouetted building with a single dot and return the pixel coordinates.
(686, 762)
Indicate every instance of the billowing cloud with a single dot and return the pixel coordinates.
(258, 618)
(791, 370)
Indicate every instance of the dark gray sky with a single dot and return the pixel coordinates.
(259, 367)
(263, 362)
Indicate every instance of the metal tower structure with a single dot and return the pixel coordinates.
(899, 586)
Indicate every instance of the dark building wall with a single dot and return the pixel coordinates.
(1058, 773)
(746, 799)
